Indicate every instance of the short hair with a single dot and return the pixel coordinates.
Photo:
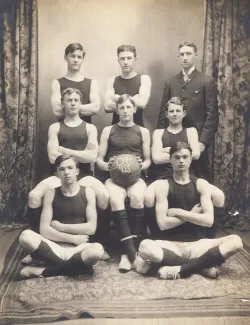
(70, 91)
(123, 99)
(188, 43)
(72, 47)
(62, 158)
(126, 48)
(179, 146)
(176, 101)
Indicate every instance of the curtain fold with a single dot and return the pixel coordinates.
(227, 59)
(18, 106)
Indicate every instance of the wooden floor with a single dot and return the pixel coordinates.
(6, 238)
(157, 321)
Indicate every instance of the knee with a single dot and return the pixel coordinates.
(103, 199)
(146, 249)
(93, 253)
(34, 201)
(237, 242)
(137, 200)
(26, 237)
(148, 200)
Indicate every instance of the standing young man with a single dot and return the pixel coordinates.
(184, 208)
(129, 82)
(90, 102)
(126, 137)
(199, 94)
(68, 216)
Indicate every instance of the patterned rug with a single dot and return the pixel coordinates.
(111, 294)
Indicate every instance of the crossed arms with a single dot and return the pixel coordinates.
(202, 214)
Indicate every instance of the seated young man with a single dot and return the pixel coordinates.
(75, 137)
(126, 137)
(184, 208)
(163, 139)
(68, 216)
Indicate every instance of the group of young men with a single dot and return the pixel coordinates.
(161, 223)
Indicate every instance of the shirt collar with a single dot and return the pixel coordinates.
(189, 72)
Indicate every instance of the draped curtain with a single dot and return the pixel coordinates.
(18, 105)
(227, 59)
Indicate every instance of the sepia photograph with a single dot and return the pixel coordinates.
(125, 162)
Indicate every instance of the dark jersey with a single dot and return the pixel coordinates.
(124, 140)
(168, 140)
(184, 197)
(75, 138)
(70, 210)
(83, 86)
(131, 87)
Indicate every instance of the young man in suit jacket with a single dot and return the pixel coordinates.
(199, 94)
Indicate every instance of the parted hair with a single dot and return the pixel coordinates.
(179, 146)
(73, 47)
(188, 43)
(126, 48)
(123, 98)
(62, 158)
(69, 91)
(176, 101)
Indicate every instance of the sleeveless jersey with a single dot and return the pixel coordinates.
(131, 87)
(83, 86)
(124, 140)
(70, 210)
(75, 138)
(184, 197)
(168, 140)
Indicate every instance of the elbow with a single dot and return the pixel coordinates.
(96, 108)
(195, 155)
(209, 221)
(44, 231)
(91, 230)
(156, 160)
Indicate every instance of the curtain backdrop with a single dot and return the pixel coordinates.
(227, 59)
(18, 105)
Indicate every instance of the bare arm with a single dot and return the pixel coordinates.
(89, 154)
(160, 155)
(145, 149)
(87, 228)
(142, 98)
(206, 217)
(161, 207)
(93, 107)
(45, 224)
(53, 144)
(55, 100)
(110, 97)
(103, 148)
(193, 140)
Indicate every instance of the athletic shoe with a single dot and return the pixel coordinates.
(124, 265)
(28, 260)
(105, 256)
(210, 272)
(140, 265)
(169, 272)
(29, 272)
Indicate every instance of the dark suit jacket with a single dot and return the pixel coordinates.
(199, 94)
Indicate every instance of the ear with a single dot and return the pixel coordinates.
(135, 109)
(184, 113)
(166, 114)
(77, 171)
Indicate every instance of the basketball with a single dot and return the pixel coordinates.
(125, 170)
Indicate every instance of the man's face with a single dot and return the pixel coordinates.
(127, 61)
(187, 56)
(71, 104)
(126, 111)
(74, 60)
(67, 172)
(181, 160)
(175, 113)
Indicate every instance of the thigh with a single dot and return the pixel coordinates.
(171, 245)
(68, 252)
(137, 189)
(200, 247)
(149, 196)
(44, 185)
(56, 248)
(117, 194)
